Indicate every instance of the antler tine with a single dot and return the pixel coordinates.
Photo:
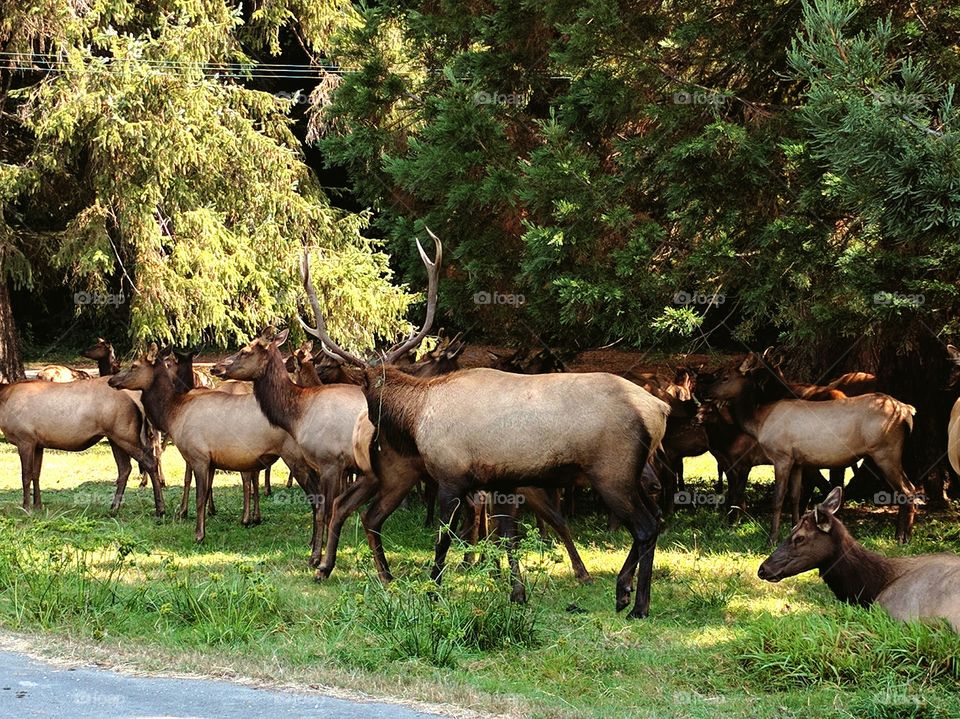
(433, 276)
(320, 331)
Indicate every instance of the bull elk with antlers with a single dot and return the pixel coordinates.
(485, 429)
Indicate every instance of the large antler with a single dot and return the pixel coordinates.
(320, 331)
(433, 276)
(331, 347)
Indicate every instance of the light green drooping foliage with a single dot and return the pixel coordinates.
(184, 190)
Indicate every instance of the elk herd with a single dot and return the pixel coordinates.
(364, 432)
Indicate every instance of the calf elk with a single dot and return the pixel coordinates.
(796, 433)
(925, 586)
(485, 429)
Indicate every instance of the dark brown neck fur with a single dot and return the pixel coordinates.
(278, 397)
(395, 401)
(108, 365)
(160, 399)
(856, 575)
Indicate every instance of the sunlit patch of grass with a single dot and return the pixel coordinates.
(245, 600)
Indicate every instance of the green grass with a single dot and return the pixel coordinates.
(719, 643)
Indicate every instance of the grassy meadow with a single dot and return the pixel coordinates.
(136, 591)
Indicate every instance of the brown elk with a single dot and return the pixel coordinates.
(196, 422)
(73, 416)
(185, 379)
(321, 420)
(485, 429)
(833, 433)
(102, 353)
(921, 587)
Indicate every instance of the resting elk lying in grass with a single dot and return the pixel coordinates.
(72, 417)
(213, 430)
(796, 433)
(485, 429)
(59, 373)
(920, 587)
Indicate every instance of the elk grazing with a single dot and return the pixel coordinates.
(213, 430)
(796, 433)
(922, 587)
(321, 420)
(72, 417)
(485, 429)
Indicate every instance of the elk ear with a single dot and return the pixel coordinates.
(748, 364)
(152, 352)
(267, 333)
(307, 346)
(832, 503)
(281, 337)
(954, 354)
(821, 519)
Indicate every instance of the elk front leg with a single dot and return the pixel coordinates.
(247, 485)
(450, 497)
(343, 506)
(37, 464)
(184, 510)
(122, 458)
(388, 500)
(782, 472)
(203, 473)
(27, 454)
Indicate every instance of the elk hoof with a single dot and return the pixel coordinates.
(518, 595)
(322, 574)
(638, 614)
(160, 513)
(199, 537)
(585, 578)
(180, 514)
(622, 601)
(258, 520)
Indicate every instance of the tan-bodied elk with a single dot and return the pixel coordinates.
(213, 430)
(919, 587)
(73, 416)
(486, 429)
(321, 420)
(796, 433)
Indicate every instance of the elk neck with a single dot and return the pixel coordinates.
(160, 399)
(108, 364)
(395, 402)
(278, 397)
(854, 574)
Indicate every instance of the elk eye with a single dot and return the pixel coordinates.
(799, 539)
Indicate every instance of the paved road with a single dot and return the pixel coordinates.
(32, 688)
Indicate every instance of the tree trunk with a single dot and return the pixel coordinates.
(11, 360)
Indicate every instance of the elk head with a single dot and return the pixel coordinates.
(141, 373)
(251, 361)
(98, 351)
(743, 378)
(811, 544)
(398, 350)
